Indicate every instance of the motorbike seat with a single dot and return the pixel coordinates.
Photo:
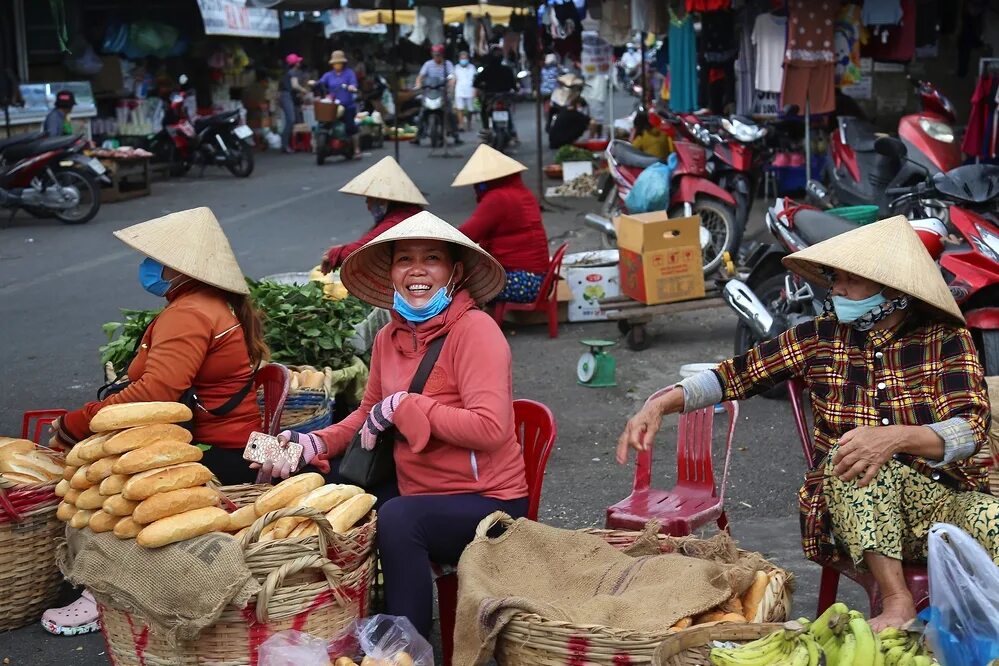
(860, 134)
(19, 139)
(815, 226)
(217, 119)
(627, 155)
(38, 146)
(972, 183)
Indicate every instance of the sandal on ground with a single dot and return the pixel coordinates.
(80, 617)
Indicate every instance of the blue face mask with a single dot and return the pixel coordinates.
(463, 61)
(378, 211)
(151, 277)
(436, 305)
(848, 311)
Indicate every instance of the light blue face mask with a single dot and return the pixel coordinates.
(848, 311)
(419, 314)
(378, 211)
(463, 61)
(151, 277)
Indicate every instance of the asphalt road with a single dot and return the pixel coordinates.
(58, 284)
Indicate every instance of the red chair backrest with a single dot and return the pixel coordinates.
(274, 379)
(34, 423)
(536, 431)
(549, 284)
(795, 387)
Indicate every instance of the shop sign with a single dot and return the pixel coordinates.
(234, 18)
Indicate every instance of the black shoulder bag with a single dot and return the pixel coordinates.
(371, 468)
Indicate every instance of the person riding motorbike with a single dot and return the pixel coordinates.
(340, 83)
(442, 70)
(495, 79)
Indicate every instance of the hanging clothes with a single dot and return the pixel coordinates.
(744, 65)
(809, 59)
(882, 12)
(615, 21)
(850, 35)
(769, 38)
(429, 25)
(927, 28)
(897, 43)
(682, 64)
(980, 137)
(707, 5)
(468, 34)
(718, 43)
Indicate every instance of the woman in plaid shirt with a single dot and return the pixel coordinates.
(899, 400)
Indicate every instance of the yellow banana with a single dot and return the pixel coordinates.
(921, 660)
(767, 650)
(800, 656)
(820, 628)
(848, 652)
(814, 651)
(889, 633)
(889, 643)
(908, 658)
(894, 655)
(864, 637)
(831, 647)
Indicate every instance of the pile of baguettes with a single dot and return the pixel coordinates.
(139, 477)
(22, 462)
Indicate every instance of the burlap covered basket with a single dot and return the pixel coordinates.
(531, 640)
(29, 574)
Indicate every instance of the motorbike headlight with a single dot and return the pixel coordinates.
(940, 131)
(989, 244)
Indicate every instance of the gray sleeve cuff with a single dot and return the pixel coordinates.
(701, 390)
(958, 437)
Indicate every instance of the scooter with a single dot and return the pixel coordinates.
(330, 134)
(500, 131)
(51, 177)
(433, 118)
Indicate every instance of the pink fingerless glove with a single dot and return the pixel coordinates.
(380, 419)
(312, 446)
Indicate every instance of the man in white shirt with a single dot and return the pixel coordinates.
(438, 69)
(464, 90)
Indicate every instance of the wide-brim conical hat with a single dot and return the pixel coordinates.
(888, 252)
(365, 273)
(486, 164)
(385, 180)
(191, 242)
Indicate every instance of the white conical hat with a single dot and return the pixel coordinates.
(485, 164)
(888, 252)
(365, 273)
(191, 242)
(385, 180)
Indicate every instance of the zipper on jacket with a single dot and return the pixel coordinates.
(475, 465)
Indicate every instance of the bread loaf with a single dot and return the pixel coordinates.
(183, 526)
(163, 480)
(80, 519)
(79, 480)
(72, 495)
(113, 484)
(287, 492)
(323, 499)
(30, 463)
(306, 528)
(10, 447)
(117, 505)
(21, 479)
(66, 511)
(173, 502)
(159, 454)
(241, 518)
(91, 449)
(752, 597)
(343, 517)
(74, 459)
(62, 488)
(68, 472)
(136, 438)
(126, 528)
(132, 414)
(90, 499)
(103, 522)
(101, 469)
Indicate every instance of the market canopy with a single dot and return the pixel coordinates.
(498, 14)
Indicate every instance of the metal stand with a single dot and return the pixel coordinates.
(395, 84)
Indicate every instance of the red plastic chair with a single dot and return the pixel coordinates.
(274, 379)
(536, 431)
(916, 578)
(695, 500)
(33, 423)
(547, 299)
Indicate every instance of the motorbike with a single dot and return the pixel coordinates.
(51, 177)
(433, 117)
(330, 135)
(567, 115)
(499, 106)
(217, 140)
(857, 174)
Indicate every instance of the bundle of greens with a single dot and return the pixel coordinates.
(123, 338)
(572, 154)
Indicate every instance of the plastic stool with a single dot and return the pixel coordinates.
(301, 142)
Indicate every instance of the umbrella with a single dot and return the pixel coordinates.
(498, 14)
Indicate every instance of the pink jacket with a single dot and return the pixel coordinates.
(459, 432)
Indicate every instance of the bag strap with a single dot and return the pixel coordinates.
(234, 400)
(427, 364)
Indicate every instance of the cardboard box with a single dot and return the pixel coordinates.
(660, 258)
(589, 286)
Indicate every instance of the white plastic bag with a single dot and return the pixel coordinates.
(293, 648)
(963, 617)
(387, 637)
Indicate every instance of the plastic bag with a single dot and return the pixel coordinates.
(293, 648)
(963, 617)
(386, 637)
(651, 189)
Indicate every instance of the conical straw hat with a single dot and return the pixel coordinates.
(365, 273)
(385, 180)
(486, 164)
(191, 242)
(888, 252)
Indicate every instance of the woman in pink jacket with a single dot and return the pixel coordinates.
(458, 459)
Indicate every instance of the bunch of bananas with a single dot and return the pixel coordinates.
(839, 637)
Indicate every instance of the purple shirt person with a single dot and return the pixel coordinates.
(339, 76)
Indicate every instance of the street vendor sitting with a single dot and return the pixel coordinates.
(390, 195)
(459, 458)
(506, 222)
(899, 404)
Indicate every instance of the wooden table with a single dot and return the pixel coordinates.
(632, 316)
(130, 178)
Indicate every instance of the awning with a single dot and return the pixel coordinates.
(497, 13)
(236, 19)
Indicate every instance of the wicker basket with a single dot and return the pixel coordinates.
(691, 647)
(29, 576)
(305, 409)
(306, 592)
(531, 640)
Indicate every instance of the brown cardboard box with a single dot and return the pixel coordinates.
(660, 258)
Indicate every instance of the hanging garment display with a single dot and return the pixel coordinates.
(809, 59)
(429, 25)
(682, 64)
(970, 38)
(468, 34)
(812, 83)
(707, 5)
(980, 139)
(744, 66)
(649, 16)
(769, 40)
(897, 43)
(766, 104)
(615, 21)
(927, 28)
(882, 12)
(850, 35)
(718, 36)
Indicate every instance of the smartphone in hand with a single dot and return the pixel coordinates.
(261, 448)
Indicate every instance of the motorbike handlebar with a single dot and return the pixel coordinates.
(903, 191)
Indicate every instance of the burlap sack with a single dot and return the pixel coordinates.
(179, 589)
(576, 577)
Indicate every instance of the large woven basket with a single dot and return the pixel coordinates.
(306, 592)
(692, 647)
(29, 576)
(305, 409)
(531, 640)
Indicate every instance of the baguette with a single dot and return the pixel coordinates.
(183, 526)
(173, 502)
(241, 518)
(126, 528)
(132, 414)
(103, 522)
(240, 534)
(73, 457)
(34, 463)
(324, 499)
(146, 484)
(752, 597)
(62, 488)
(21, 479)
(79, 480)
(71, 496)
(92, 448)
(287, 491)
(117, 505)
(113, 484)
(343, 517)
(68, 472)
(90, 499)
(66, 511)
(160, 454)
(305, 529)
(10, 446)
(101, 469)
(136, 438)
(80, 519)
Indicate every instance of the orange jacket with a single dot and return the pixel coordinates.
(196, 341)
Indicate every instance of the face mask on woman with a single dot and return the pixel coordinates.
(378, 211)
(463, 61)
(151, 277)
(418, 314)
(848, 310)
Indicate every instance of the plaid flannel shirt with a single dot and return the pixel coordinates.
(922, 372)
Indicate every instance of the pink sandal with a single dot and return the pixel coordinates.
(80, 617)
